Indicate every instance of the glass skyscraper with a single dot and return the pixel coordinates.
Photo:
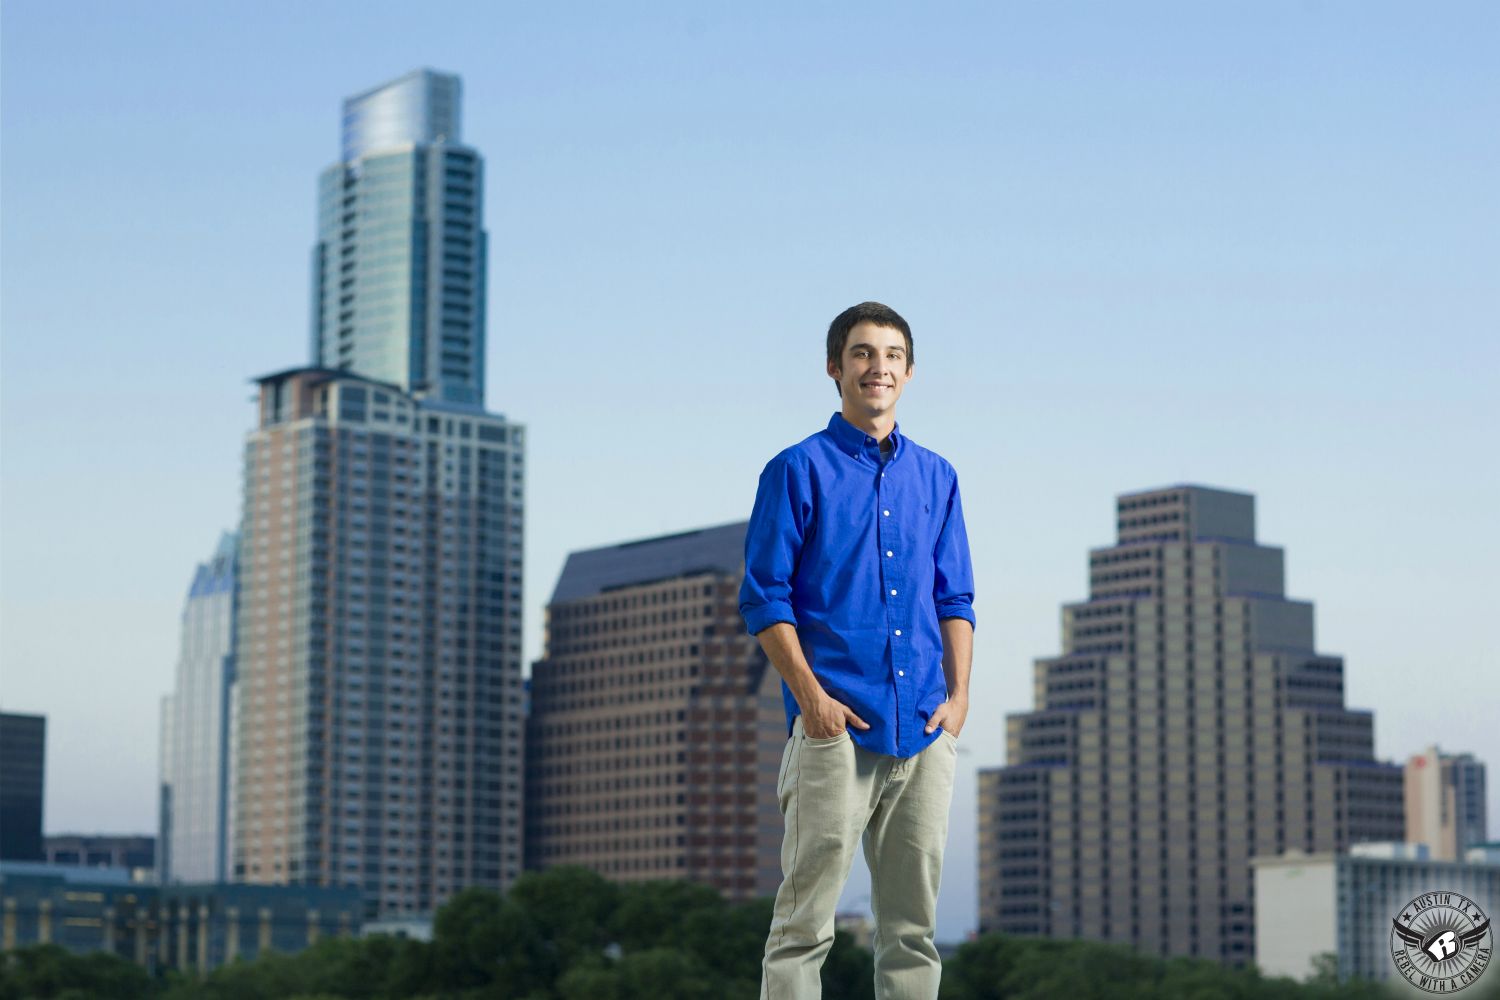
(399, 266)
(379, 706)
(195, 728)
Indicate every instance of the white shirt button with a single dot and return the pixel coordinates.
(901, 673)
(886, 513)
(898, 631)
(893, 593)
(889, 553)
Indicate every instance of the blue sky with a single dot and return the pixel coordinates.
(1252, 246)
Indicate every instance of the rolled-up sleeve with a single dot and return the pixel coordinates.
(953, 575)
(773, 544)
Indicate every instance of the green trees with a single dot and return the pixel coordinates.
(49, 970)
(1001, 968)
(568, 934)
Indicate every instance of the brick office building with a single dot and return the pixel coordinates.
(656, 724)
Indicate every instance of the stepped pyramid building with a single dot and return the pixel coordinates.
(1188, 725)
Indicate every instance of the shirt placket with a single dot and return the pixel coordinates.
(893, 556)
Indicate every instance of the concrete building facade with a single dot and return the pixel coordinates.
(378, 644)
(1187, 726)
(1445, 802)
(1343, 903)
(656, 724)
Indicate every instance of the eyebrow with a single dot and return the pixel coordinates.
(855, 347)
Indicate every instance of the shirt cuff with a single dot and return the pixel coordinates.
(955, 609)
(760, 618)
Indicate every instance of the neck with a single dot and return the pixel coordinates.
(877, 425)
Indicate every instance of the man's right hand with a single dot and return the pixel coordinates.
(823, 717)
(827, 717)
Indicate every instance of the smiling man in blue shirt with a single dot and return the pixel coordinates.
(859, 588)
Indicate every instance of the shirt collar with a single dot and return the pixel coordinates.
(856, 443)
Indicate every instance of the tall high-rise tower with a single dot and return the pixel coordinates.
(657, 724)
(196, 749)
(399, 266)
(379, 704)
(1188, 726)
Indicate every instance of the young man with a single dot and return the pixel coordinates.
(858, 586)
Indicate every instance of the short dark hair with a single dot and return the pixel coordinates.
(874, 313)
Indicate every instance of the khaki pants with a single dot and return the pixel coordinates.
(831, 794)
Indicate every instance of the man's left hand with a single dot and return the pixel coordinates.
(950, 715)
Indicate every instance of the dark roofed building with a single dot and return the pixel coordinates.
(656, 724)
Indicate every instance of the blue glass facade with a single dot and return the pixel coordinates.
(420, 107)
(399, 266)
(196, 740)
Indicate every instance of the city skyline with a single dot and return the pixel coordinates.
(1234, 250)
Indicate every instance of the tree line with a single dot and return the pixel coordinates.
(568, 934)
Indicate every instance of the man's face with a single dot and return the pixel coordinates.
(873, 370)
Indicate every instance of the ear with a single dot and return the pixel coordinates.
(910, 371)
(834, 371)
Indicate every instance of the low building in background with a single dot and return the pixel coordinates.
(175, 926)
(413, 926)
(23, 754)
(206, 926)
(656, 723)
(1445, 802)
(858, 926)
(130, 852)
(82, 909)
(1307, 905)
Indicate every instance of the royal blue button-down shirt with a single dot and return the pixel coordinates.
(863, 557)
